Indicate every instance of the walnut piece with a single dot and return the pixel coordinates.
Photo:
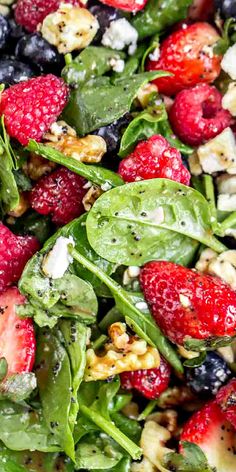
(91, 196)
(22, 206)
(36, 167)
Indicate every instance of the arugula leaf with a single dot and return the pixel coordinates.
(96, 174)
(158, 15)
(27, 461)
(101, 102)
(193, 459)
(150, 219)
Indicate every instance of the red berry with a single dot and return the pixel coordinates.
(201, 10)
(30, 107)
(30, 13)
(186, 303)
(188, 54)
(209, 429)
(154, 158)
(59, 194)
(226, 399)
(17, 339)
(127, 5)
(150, 383)
(197, 114)
(15, 251)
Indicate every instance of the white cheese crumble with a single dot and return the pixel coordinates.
(226, 202)
(117, 65)
(222, 265)
(228, 62)
(155, 54)
(120, 34)
(57, 261)
(226, 184)
(229, 99)
(106, 186)
(219, 154)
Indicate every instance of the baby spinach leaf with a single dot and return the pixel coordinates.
(150, 219)
(158, 15)
(128, 426)
(101, 102)
(192, 460)
(92, 62)
(97, 452)
(18, 387)
(9, 195)
(23, 428)
(96, 174)
(27, 461)
(35, 224)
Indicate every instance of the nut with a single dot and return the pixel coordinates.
(69, 28)
(91, 196)
(145, 93)
(37, 166)
(22, 206)
(167, 418)
(89, 149)
(152, 442)
(57, 130)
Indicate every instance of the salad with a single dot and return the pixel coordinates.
(118, 236)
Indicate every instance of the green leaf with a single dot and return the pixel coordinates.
(9, 195)
(22, 181)
(92, 62)
(27, 461)
(96, 174)
(226, 40)
(151, 219)
(35, 224)
(210, 344)
(195, 361)
(101, 102)
(193, 459)
(97, 452)
(18, 387)
(3, 368)
(159, 15)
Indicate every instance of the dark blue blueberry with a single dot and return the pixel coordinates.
(227, 8)
(4, 32)
(209, 377)
(34, 49)
(112, 133)
(16, 31)
(105, 15)
(13, 71)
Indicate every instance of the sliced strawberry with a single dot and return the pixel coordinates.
(127, 5)
(209, 429)
(226, 399)
(17, 338)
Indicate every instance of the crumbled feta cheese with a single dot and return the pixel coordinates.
(69, 28)
(133, 271)
(57, 261)
(155, 54)
(228, 62)
(226, 202)
(222, 265)
(219, 153)
(184, 300)
(119, 35)
(106, 186)
(141, 306)
(117, 65)
(229, 99)
(226, 184)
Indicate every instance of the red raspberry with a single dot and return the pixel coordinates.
(186, 303)
(30, 13)
(188, 54)
(31, 107)
(154, 158)
(127, 5)
(59, 194)
(226, 399)
(15, 251)
(150, 383)
(17, 338)
(197, 114)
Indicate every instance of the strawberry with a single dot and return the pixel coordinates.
(127, 5)
(226, 399)
(150, 383)
(202, 10)
(152, 159)
(15, 251)
(187, 304)
(187, 53)
(210, 430)
(17, 339)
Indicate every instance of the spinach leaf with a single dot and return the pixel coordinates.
(192, 460)
(130, 427)
(35, 224)
(158, 15)
(96, 174)
(9, 195)
(101, 102)
(97, 452)
(92, 62)
(141, 322)
(23, 428)
(18, 387)
(27, 461)
(150, 219)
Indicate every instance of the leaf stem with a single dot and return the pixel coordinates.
(210, 196)
(148, 410)
(229, 222)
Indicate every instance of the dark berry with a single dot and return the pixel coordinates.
(4, 32)
(16, 31)
(34, 49)
(13, 71)
(112, 133)
(210, 376)
(227, 8)
(105, 15)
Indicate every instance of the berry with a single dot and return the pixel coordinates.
(17, 339)
(34, 49)
(4, 32)
(30, 13)
(105, 15)
(210, 376)
(186, 303)
(13, 71)
(226, 399)
(154, 158)
(227, 8)
(150, 383)
(15, 251)
(59, 194)
(112, 133)
(127, 5)
(16, 31)
(209, 429)
(201, 10)
(188, 54)
(29, 108)
(197, 114)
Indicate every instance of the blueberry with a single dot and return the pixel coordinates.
(34, 49)
(105, 15)
(112, 133)
(227, 8)
(13, 71)
(16, 30)
(210, 376)
(4, 32)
